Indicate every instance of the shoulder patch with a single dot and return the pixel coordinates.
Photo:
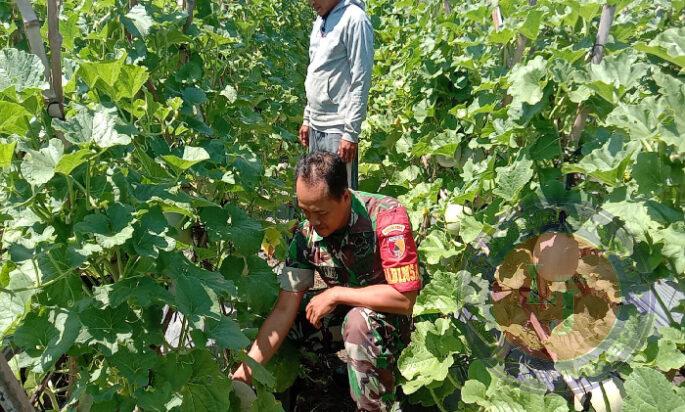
(396, 227)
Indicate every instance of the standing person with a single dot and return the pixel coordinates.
(362, 246)
(338, 80)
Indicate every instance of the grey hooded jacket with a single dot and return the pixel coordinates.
(339, 72)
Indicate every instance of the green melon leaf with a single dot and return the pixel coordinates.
(21, 71)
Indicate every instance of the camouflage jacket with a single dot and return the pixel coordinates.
(376, 247)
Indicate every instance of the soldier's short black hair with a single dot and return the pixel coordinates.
(323, 167)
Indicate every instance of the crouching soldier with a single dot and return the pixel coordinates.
(362, 246)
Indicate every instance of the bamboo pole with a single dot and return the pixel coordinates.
(521, 43)
(448, 7)
(32, 30)
(12, 395)
(190, 9)
(55, 41)
(596, 57)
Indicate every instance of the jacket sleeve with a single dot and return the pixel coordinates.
(359, 45)
(305, 117)
(399, 256)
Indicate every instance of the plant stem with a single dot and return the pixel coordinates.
(663, 306)
(119, 268)
(182, 335)
(454, 381)
(87, 189)
(437, 401)
(70, 189)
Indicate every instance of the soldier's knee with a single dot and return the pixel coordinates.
(356, 325)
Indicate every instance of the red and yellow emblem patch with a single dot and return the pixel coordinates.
(397, 246)
(402, 274)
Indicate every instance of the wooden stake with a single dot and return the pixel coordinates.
(597, 55)
(32, 30)
(55, 41)
(12, 396)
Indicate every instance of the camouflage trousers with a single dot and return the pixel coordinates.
(372, 342)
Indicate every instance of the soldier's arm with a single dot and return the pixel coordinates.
(380, 298)
(296, 277)
(272, 332)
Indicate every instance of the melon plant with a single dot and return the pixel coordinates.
(163, 195)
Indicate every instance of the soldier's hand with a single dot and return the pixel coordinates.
(304, 135)
(243, 374)
(320, 306)
(347, 150)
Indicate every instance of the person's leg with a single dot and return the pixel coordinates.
(327, 338)
(330, 142)
(312, 140)
(372, 345)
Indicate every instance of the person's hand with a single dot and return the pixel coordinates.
(347, 150)
(320, 306)
(304, 135)
(243, 374)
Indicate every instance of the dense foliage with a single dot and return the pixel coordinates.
(166, 183)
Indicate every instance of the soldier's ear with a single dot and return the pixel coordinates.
(347, 196)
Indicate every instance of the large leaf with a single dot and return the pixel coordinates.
(100, 127)
(38, 167)
(227, 334)
(443, 294)
(48, 336)
(19, 291)
(109, 230)
(191, 157)
(195, 377)
(640, 120)
(649, 391)
(641, 218)
(429, 356)
(527, 81)
(21, 70)
(673, 240)
(255, 280)
(669, 45)
(6, 154)
(233, 224)
(14, 119)
(137, 21)
(606, 163)
(652, 173)
(436, 247)
(512, 179)
(615, 75)
(131, 79)
(71, 161)
(669, 356)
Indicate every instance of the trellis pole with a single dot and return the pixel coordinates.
(521, 43)
(55, 42)
(596, 57)
(32, 30)
(12, 395)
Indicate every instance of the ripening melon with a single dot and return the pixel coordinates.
(453, 216)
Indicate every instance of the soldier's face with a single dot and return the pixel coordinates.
(322, 7)
(325, 213)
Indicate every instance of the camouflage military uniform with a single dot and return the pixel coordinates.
(377, 247)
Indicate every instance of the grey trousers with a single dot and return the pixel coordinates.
(329, 142)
